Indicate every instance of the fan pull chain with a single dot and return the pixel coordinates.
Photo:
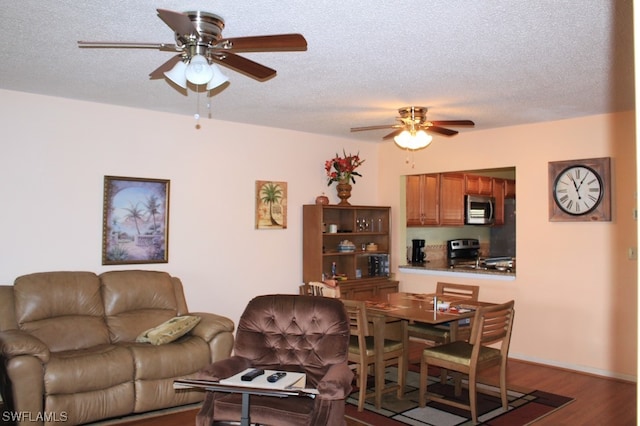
(197, 114)
(410, 160)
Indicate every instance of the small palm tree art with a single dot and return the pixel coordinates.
(271, 194)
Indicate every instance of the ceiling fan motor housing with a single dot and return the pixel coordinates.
(413, 114)
(208, 25)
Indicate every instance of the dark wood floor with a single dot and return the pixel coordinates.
(598, 401)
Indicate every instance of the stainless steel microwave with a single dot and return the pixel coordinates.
(479, 210)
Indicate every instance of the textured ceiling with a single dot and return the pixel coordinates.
(497, 62)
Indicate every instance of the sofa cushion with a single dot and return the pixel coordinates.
(87, 370)
(135, 301)
(63, 309)
(169, 331)
(180, 358)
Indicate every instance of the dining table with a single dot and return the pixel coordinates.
(391, 314)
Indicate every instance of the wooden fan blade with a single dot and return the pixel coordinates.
(246, 66)
(441, 130)
(268, 43)
(453, 123)
(178, 22)
(159, 72)
(383, 126)
(393, 134)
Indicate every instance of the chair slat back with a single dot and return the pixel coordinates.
(357, 315)
(493, 324)
(314, 288)
(462, 291)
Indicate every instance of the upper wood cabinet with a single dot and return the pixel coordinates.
(438, 199)
(452, 187)
(423, 193)
(499, 186)
(509, 188)
(478, 185)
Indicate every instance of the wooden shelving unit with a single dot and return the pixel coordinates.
(365, 270)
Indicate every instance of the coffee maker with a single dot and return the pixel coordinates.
(417, 253)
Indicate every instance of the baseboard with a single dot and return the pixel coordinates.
(576, 368)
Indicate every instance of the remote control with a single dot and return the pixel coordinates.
(275, 377)
(252, 375)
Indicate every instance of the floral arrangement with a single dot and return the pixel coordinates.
(343, 168)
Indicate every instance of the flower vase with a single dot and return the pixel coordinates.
(344, 192)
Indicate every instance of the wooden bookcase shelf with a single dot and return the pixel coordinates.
(361, 225)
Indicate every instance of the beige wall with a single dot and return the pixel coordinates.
(56, 152)
(575, 289)
(575, 292)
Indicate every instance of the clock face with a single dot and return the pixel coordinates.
(578, 190)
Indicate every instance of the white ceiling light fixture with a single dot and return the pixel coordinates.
(218, 78)
(198, 71)
(413, 140)
(177, 74)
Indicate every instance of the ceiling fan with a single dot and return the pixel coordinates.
(199, 45)
(410, 131)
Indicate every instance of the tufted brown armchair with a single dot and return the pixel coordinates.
(292, 333)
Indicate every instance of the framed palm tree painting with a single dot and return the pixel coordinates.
(271, 205)
(135, 226)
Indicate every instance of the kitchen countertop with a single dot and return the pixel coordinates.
(441, 267)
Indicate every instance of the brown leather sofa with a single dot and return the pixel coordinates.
(68, 350)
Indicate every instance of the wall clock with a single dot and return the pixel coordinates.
(580, 190)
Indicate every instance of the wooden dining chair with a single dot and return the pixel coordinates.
(492, 325)
(319, 289)
(362, 354)
(441, 333)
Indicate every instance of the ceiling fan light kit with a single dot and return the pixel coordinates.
(200, 46)
(412, 127)
(413, 140)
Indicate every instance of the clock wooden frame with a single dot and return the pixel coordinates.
(602, 212)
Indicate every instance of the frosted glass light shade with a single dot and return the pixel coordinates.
(177, 74)
(198, 71)
(217, 79)
(418, 140)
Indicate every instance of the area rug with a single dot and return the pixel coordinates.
(525, 406)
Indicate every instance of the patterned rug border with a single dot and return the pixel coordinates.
(525, 405)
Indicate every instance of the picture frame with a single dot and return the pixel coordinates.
(135, 225)
(271, 205)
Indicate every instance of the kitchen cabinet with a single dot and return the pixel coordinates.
(435, 199)
(452, 187)
(363, 272)
(498, 186)
(423, 200)
(478, 185)
(510, 188)
(438, 199)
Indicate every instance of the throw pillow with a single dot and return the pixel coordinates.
(169, 330)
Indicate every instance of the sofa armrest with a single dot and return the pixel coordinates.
(224, 368)
(15, 342)
(336, 383)
(211, 325)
